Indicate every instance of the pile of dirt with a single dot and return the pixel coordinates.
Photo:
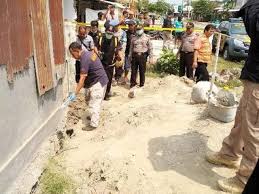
(227, 75)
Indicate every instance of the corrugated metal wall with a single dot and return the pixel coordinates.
(24, 26)
(15, 35)
(57, 28)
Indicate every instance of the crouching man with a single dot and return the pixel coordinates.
(93, 77)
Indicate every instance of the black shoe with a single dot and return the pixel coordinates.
(88, 118)
(106, 98)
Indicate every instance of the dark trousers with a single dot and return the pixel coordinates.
(186, 61)
(118, 73)
(138, 63)
(109, 72)
(201, 72)
(77, 66)
(252, 186)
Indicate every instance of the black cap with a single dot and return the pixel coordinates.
(130, 22)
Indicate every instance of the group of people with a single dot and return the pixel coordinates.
(195, 53)
(100, 54)
(104, 59)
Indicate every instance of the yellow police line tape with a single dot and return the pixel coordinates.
(158, 28)
(153, 28)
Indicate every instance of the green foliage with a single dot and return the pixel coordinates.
(231, 84)
(55, 181)
(161, 7)
(229, 4)
(143, 5)
(167, 63)
(203, 9)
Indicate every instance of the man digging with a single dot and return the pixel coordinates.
(93, 77)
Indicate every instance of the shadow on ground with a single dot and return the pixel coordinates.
(183, 154)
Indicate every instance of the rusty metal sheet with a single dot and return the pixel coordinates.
(57, 28)
(42, 48)
(4, 35)
(15, 35)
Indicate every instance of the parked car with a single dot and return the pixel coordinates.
(235, 45)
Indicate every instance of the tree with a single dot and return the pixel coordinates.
(203, 9)
(161, 7)
(143, 5)
(229, 4)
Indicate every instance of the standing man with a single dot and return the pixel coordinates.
(122, 39)
(243, 140)
(203, 54)
(124, 17)
(147, 20)
(93, 77)
(110, 13)
(84, 39)
(178, 31)
(131, 15)
(186, 51)
(140, 19)
(140, 49)
(109, 48)
(131, 32)
(167, 34)
(95, 33)
(86, 42)
(101, 21)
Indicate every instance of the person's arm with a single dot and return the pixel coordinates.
(91, 43)
(81, 83)
(195, 60)
(150, 52)
(131, 50)
(124, 41)
(108, 12)
(96, 50)
(197, 46)
(179, 50)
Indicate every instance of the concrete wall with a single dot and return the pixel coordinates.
(27, 119)
(69, 10)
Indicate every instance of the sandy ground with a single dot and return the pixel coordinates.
(154, 143)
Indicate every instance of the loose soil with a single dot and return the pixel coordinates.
(154, 143)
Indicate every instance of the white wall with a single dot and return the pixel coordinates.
(69, 11)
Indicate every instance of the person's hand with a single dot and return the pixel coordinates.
(152, 61)
(177, 56)
(194, 65)
(72, 97)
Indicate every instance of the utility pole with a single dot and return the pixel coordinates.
(188, 8)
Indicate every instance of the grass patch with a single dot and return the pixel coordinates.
(153, 74)
(54, 180)
(223, 64)
(231, 84)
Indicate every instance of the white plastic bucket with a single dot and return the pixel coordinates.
(222, 113)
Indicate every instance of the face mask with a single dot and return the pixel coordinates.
(108, 36)
(139, 32)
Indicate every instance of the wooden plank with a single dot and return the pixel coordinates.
(42, 47)
(57, 28)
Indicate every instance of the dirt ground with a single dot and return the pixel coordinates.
(152, 144)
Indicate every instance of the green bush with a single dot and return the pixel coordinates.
(167, 63)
